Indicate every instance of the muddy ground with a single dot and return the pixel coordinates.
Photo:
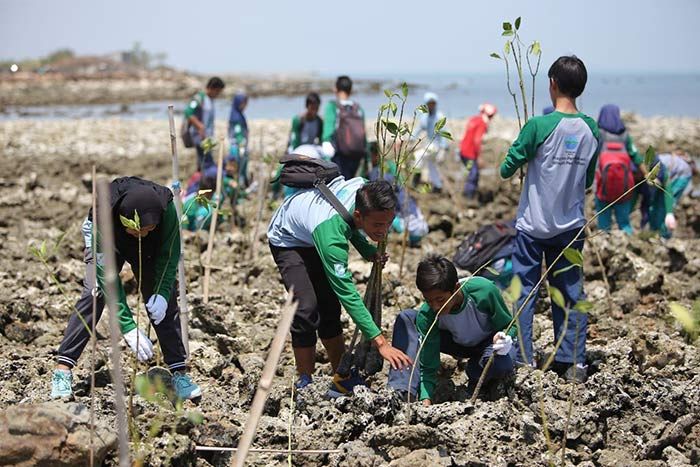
(640, 406)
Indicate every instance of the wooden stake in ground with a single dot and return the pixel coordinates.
(265, 383)
(214, 218)
(261, 207)
(110, 281)
(93, 341)
(184, 314)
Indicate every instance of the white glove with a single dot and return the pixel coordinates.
(670, 221)
(144, 351)
(502, 343)
(328, 149)
(157, 306)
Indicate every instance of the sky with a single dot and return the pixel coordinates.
(358, 36)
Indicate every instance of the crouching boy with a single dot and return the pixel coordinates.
(472, 320)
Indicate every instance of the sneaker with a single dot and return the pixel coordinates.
(61, 384)
(577, 373)
(184, 387)
(303, 381)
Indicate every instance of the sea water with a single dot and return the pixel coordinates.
(646, 94)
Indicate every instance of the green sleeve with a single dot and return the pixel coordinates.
(169, 254)
(332, 246)
(363, 246)
(633, 152)
(329, 117)
(523, 150)
(430, 355)
(194, 104)
(295, 134)
(124, 316)
(488, 300)
(593, 164)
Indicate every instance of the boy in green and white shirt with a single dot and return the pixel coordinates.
(309, 242)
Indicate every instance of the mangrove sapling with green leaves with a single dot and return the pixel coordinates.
(688, 318)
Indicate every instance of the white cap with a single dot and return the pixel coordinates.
(430, 97)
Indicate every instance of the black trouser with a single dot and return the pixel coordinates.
(168, 331)
(347, 165)
(204, 159)
(318, 310)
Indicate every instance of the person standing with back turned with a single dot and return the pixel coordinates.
(561, 151)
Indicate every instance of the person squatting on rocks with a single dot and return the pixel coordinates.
(200, 117)
(238, 136)
(471, 325)
(344, 138)
(408, 214)
(197, 214)
(560, 150)
(470, 148)
(160, 253)
(618, 163)
(680, 172)
(307, 128)
(309, 243)
(435, 145)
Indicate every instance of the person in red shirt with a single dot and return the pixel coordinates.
(471, 147)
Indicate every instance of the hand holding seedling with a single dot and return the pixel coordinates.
(502, 343)
(140, 344)
(396, 358)
(156, 306)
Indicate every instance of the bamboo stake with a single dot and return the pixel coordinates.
(93, 341)
(265, 382)
(182, 285)
(258, 218)
(270, 451)
(214, 218)
(110, 281)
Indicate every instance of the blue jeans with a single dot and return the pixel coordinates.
(471, 185)
(527, 265)
(622, 210)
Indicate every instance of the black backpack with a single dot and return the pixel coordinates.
(489, 243)
(300, 171)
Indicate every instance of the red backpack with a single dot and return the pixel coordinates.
(350, 138)
(614, 175)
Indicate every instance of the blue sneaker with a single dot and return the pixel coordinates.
(61, 384)
(344, 385)
(184, 387)
(302, 382)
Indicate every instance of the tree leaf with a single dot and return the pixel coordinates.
(42, 249)
(683, 316)
(126, 222)
(583, 306)
(423, 108)
(517, 23)
(440, 123)
(574, 256)
(507, 26)
(195, 417)
(649, 156)
(388, 93)
(506, 48)
(514, 289)
(564, 269)
(391, 127)
(446, 134)
(557, 297)
(507, 33)
(495, 55)
(404, 89)
(137, 220)
(654, 172)
(493, 271)
(393, 108)
(536, 48)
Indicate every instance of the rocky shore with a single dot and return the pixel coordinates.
(641, 405)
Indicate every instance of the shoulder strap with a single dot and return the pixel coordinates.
(337, 205)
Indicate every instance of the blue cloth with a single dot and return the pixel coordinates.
(610, 120)
(236, 116)
(471, 185)
(548, 110)
(527, 265)
(622, 212)
(204, 159)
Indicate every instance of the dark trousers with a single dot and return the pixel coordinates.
(168, 331)
(318, 310)
(348, 165)
(471, 184)
(478, 355)
(527, 265)
(204, 159)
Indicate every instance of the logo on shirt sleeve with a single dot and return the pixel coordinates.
(340, 269)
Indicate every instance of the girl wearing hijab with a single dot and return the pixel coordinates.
(159, 235)
(238, 136)
(618, 154)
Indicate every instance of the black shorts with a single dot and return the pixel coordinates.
(318, 311)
